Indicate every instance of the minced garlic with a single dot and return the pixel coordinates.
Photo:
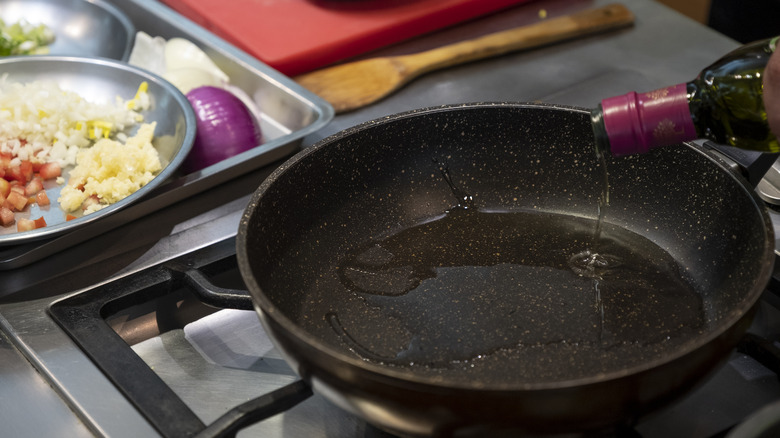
(111, 171)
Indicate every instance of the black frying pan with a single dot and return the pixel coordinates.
(417, 271)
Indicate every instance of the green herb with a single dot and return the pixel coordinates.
(23, 38)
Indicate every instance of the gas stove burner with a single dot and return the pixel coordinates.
(104, 322)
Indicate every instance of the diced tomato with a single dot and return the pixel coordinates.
(27, 170)
(78, 185)
(22, 173)
(5, 187)
(34, 186)
(14, 173)
(50, 170)
(90, 201)
(41, 198)
(6, 216)
(25, 224)
(69, 217)
(5, 160)
(40, 222)
(18, 201)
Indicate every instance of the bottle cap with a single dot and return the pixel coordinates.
(637, 122)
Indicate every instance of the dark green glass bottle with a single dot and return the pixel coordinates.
(724, 104)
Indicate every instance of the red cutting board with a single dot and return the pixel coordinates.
(297, 36)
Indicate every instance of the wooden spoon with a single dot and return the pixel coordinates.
(355, 84)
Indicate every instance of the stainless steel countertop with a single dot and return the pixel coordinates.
(662, 48)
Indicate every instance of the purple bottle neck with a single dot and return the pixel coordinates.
(638, 122)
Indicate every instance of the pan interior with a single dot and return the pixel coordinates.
(481, 290)
(364, 245)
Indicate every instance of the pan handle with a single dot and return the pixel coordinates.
(215, 296)
(751, 164)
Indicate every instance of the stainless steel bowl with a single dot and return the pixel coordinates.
(81, 27)
(101, 80)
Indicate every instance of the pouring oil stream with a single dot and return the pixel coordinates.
(591, 263)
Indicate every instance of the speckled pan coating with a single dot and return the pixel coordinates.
(377, 178)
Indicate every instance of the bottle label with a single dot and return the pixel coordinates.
(637, 122)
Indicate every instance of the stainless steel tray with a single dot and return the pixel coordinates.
(288, 113)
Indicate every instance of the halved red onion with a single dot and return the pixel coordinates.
(226, 127)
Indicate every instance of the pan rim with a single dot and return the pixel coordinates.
(266, 307)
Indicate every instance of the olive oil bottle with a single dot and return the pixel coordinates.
(723, 104)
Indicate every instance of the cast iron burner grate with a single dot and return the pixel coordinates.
(86, 318)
